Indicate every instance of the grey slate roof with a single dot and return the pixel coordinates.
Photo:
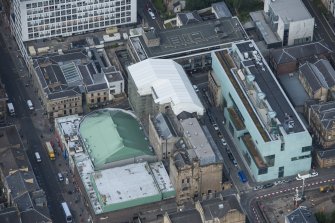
(326, 113)
(163, 126)
(66, 75)
(218, 208)
(300, 52)
(186, 216)
(189, 17)
(9, 215)
(301, 215)
(327, 70)
(221, 9)
(313, 76)
(112, 74)
(326, 153)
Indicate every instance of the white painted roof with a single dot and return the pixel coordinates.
(125, 183)
(168, 83)
(290, 10)
(161, 176)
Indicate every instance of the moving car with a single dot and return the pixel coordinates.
(196, 88)
(60, 177)
(30, 105)
(151, 13)
(223, 141)
(38, 157)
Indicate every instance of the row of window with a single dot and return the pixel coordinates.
(80, 16)
(80, 3)
(74, 20)
(38, 32)
(301, 157)
(68, 14)
(64, 107)
(98, 100)
(54, 10)
(92, 94)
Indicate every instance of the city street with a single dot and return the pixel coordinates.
(35, 129)
(17, 94)
(143, 6)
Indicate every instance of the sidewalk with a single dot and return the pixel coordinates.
(45, 129)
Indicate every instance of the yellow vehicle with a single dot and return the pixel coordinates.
(50, 150)
(327, 188)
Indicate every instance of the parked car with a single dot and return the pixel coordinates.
(268, 185)
(258, 187)
(223, 141)
(234, 162)
(215, 126)
(60, 177)
(278, 182)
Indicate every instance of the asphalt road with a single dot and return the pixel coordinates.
(17, 92)
(323, 31)
(142, 9)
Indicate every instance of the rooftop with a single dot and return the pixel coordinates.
(326, 153)
(194, 134)
(71, 73)
(189, 17)
(290, 10)
(326, 114)
(20, 178)
(300, 52)
(163, 126)
(192, 38)
(186, 216)
(167, 82)
(318, 75)
(221, 10)
(127, 186)
(218, 208)
(10, 215)
(301, 215)
(111, 135)
(268, 35)
(270, 95)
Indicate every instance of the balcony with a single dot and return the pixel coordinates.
(238, 123)
(227, 63)
(257, 158)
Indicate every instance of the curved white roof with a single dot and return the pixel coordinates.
(167, 81)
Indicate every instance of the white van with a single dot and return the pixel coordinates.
(38, 157)
(30, 105)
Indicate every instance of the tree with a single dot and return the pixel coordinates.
(321, 217)
(237, 5)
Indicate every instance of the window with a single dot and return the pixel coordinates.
(306, 149)
(92, 100)
(270, 160)
(281, 172)
(262, 171)
(282, 146)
